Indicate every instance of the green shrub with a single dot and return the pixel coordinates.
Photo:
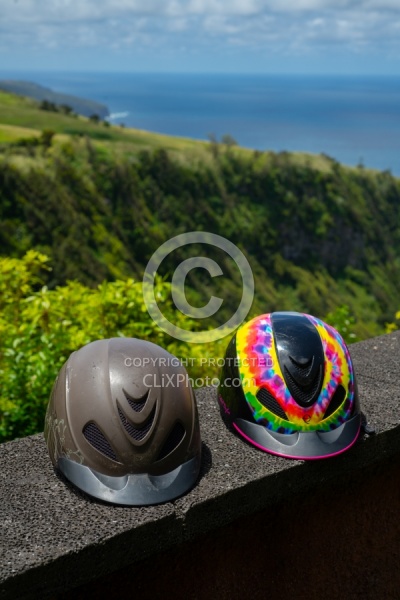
(39, 328)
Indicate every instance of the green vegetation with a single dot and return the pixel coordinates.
(39, 328)
(98, 201)
(54, 101)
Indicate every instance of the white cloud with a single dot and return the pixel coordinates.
(51, 11)
(177, 24)
(273, 25)
(220, 7)
(220, 25)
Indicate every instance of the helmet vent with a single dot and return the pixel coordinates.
(301, 368)
(304, 394)
(137, 404)
(173, 440)
(336, 400)
(137, 433)
(267, 400)
(98, 440)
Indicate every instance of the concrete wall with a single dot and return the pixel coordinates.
(341, 542)
(255, 526)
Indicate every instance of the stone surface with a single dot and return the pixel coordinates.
(340, 542)
(54, 538)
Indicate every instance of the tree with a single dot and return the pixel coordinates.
(228, 140)
(66, 109)
(49, 106)
(46, 138)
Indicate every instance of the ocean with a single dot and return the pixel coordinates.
(356, 120)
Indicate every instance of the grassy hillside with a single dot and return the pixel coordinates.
(18, 112)
(99, 200)
(80, 106)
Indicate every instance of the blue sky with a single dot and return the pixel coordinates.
(257, 36)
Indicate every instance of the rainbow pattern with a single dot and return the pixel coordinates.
(259, 367)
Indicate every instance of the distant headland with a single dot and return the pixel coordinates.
(81, 106)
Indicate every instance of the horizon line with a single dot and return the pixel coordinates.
(196, 73)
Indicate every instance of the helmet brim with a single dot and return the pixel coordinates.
(302, 445)
(132, 489)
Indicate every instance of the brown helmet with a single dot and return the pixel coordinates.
(122, 423)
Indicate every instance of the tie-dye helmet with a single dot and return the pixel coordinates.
(288, 387)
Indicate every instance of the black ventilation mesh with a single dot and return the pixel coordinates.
(336, 401)
(267, 400)
(173, 440)
(97, 439)
(303, 394)
(137, 404)
(137, 433)
(300, 369)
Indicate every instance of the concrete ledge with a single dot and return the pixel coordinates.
(54, 539)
